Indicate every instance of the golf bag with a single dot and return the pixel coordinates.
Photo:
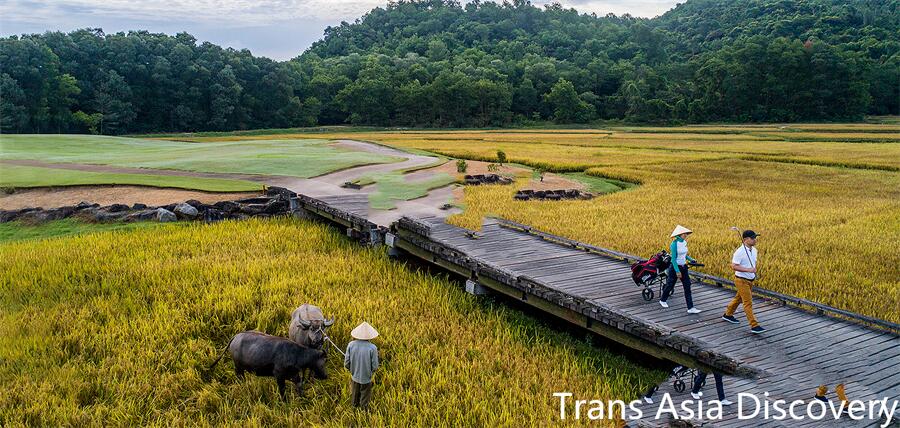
(643, 273)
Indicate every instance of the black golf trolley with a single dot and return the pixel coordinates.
(680, 373)
(652, 274)
(679, 384)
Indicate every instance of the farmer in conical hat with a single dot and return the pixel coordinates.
(362, 361)
(680, 258)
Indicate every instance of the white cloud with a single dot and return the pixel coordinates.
(248, 13)
(280, 29)
(643, 8)
(226, 12)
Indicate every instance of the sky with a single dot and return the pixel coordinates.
(278, 29)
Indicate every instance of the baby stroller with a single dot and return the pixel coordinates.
(651, 273)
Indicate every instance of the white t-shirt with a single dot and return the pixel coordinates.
(745, 257)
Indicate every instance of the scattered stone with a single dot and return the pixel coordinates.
(85, 205)
(552, 195)
(252, 209)
(213, 214)
(12, 215)
(276, 206)
(256, 200)
(186, 211)
(280, 191)
(114, 208)
(35, 217)
(164, 216)
(278, 203)
(143, 215)
(479, 179)
(227, 206)
(87, 214)
(106, 215)
(61, 212)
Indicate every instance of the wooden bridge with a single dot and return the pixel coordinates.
(806, 344)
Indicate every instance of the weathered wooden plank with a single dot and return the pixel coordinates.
(574, 261)
(800, 346)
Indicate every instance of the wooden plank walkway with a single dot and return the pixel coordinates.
(350, 211)
(592, 287)
(800, 350)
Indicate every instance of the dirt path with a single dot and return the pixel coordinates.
(330, 184)
(343, 176)
(426, 206)
(106, 195)
(551, 181)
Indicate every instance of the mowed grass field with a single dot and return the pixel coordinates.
(302, 158)
(825, 197)
(118, 327)
(21, 176)
(295, 158)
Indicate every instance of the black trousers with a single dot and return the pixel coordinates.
(701, 379)
(685, 282)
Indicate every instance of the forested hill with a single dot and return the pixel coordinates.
(440, 63)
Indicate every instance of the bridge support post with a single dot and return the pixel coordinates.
(476, 289)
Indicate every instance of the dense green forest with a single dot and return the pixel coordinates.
(439, 63)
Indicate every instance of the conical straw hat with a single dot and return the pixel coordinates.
(364, 331)
(679, 230)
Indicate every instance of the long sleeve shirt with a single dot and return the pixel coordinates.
(362, 360)
(678, 249)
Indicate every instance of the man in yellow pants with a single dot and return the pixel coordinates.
(744, 264)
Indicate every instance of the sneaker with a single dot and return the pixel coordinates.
(757, 330)
(648, 400)
(663, 304)
(730, 319)
(696, 395)
(694, 311)
(726, 402)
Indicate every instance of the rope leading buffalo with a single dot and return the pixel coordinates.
(308, 326)
(284, 359)
(307, 329)
(267, 355)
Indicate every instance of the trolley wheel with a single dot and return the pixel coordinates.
(647, 294)
(679, 385)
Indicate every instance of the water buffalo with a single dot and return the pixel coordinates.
(308, 326)
(267, 355)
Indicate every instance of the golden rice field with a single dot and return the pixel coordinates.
(826, 197)
(116, 328)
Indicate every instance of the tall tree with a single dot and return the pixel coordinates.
(114, 105)
(13, 112)
(567, 106)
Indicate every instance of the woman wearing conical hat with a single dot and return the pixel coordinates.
(362, 361)
(679, 267)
